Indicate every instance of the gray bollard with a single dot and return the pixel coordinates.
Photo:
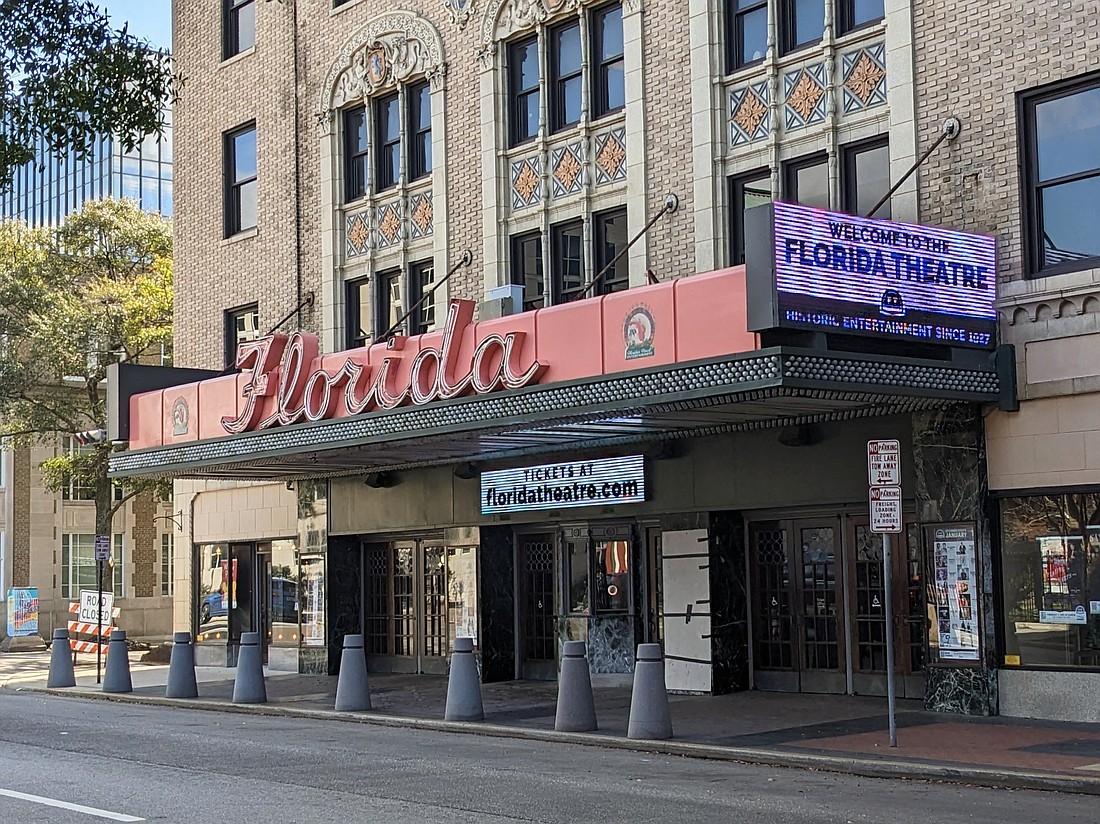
(249, 686)
(61, 661)
(464, 685)
(181, 668)
(117, 676)
(353, 687)
(576, 709)
(649, 714)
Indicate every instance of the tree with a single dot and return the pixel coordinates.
(66, 76)
(75, 300)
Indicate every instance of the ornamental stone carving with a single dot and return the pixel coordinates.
(504, 18)
(389, 49)
(460, 11)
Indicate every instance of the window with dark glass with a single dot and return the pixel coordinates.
(746, 32)
(565, 76)
(567, 240)
(866, 178)
(355, 152)
(852, 14)
(612, 561)
(1061, 170)
(611, 239)
(609, 87)
(1050, 580)
(746, 191)
(391, 303)
(241, 324)
(807, 181)
(527, 269)
(576, 556)
(523, 90)
(358, 312)
(802, 22)
(387, 121)
(240, 178)
(238, 27)
(420, 130)
(421, 279)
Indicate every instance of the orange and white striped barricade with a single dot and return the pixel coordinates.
(78, 627)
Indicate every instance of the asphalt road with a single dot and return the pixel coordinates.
(133, 763)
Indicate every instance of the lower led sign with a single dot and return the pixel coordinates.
(838, 273)
(599, 482)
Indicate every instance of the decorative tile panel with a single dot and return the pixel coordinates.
(357, 233)
(804, 96)
(750, 115)
(387, 225)
(526, 183)
(568, 166)
(864, 73)
(610, 156)
(421, 212)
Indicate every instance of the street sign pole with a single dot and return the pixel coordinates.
(888, 609)
(99, 628)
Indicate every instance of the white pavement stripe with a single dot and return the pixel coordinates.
(65, 805)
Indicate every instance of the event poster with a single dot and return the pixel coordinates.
(955, 566)
(23, 612)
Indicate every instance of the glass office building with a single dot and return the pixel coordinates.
(51, 186)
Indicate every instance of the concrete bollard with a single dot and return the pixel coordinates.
(117, 676)
(181, 668)
(61, 661)
(353, 687)
(649, 714)
(576, 708)
(464, 685)
(249, 686)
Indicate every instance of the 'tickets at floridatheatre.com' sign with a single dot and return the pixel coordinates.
(833, 272)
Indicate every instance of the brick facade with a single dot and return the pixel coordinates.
(20, 490)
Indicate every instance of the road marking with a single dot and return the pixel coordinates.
(65, 805)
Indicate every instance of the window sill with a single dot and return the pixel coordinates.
(239, 56)
(237, 238)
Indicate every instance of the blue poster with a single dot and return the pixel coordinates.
(23, 612)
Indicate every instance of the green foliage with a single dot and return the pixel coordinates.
(74, 301)
(67, 76)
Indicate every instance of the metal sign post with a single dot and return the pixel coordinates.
(884, 477)
(102, 555)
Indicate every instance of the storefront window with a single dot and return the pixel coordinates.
(312, 595)
(613, 576)
(212, 583)
(462, 593)
(285, 592)
(577, 557)
(1050, 580)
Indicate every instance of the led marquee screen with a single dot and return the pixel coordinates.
(834, 272)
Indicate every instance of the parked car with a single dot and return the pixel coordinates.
(213, 605)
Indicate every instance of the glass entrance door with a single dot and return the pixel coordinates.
(538, 643)
(239, 599)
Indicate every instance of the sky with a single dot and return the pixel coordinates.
(148, 19)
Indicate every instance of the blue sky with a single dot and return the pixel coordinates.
(148, 19)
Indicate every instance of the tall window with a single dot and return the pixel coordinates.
(420, 130)
(565, 75)
(241, 324)
(240, 179)
(355, 153)
(1061, 169)
(73, 489)
(358, 312)
(746, 32)
(387, 120)
(527, 269)
(609, 92)
(746, 191)
(78, 566)
(238, 27)
(391, 303)
(167, 564)
(421, 280)
(523, 90)
(866, 178)
(610, 238)
(567, 240)
(807, 181)
(853, 14)
(802, 22)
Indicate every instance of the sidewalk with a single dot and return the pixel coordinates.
(827, 732)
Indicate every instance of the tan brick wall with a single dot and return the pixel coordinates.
(20, 490)
(145, 557)
(973, 183)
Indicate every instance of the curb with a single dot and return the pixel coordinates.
(997, 778)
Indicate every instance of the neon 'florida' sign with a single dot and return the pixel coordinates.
(279, 365)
